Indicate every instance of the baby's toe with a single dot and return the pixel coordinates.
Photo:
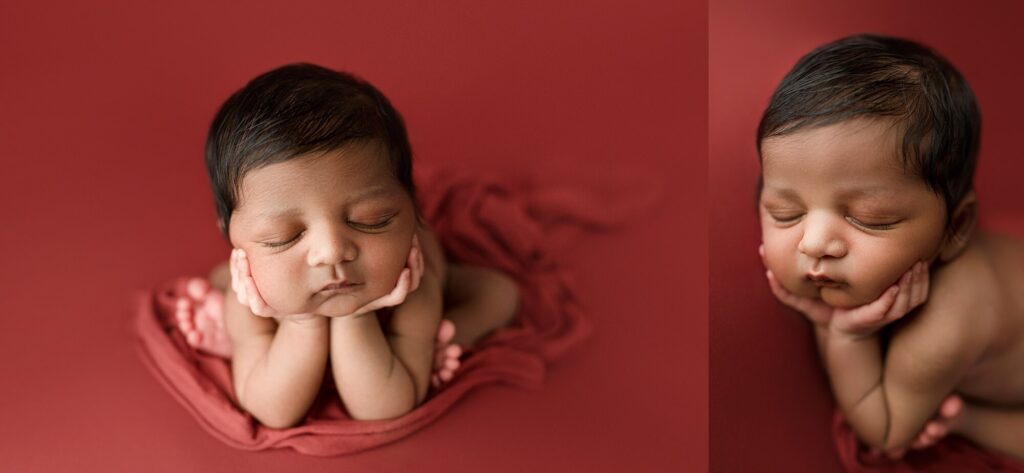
(214, 305)
(446, 331)
(935, 429)
(445, 375)
(951, 406)
(197, 288)
(183, 314)
(203, 322)
(453, 351)
(193, 338)
(451, 364)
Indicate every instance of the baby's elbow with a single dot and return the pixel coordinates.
(277, 420)
(274, 418)
(885, 440)
(504, 294)
(381, 412)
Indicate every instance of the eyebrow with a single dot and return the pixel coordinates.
(366, 194)
(871, 191)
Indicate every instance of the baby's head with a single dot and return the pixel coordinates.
(311, 172)
(867, 151)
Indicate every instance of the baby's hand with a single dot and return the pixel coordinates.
(408, 281)
(244, 286)
(910, 292)
(897, 301)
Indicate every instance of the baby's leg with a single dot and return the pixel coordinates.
(478, 301)
(999, 429)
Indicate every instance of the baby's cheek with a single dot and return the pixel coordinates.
(781, 260)
(277, 286)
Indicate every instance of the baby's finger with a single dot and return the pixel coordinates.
(395, 297)
(256, 303)
(416, 267)
(402, 289)
(921, 286)
(901, 305)
(235, 276)
(915, 284)
(868, 314)
(925, 284)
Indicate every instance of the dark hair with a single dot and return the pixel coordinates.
(879, 76)
(292, 111)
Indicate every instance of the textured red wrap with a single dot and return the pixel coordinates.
(953, 454)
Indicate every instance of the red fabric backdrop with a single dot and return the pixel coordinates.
(770, 403)
(102, 192)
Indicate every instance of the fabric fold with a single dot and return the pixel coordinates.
(953, 454)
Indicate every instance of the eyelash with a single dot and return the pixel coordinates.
(358, 226)
(373, 226)
(880, 226)
(269, 244)
(877, 227)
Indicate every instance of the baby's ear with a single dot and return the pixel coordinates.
(964, 220)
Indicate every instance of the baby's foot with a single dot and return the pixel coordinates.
(940, 425)
(446, 355)
(200, 316)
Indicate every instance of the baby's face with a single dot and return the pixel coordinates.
(841, 221)
(317, 220)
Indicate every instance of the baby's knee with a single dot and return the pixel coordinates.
(220, 276)
(503, 293)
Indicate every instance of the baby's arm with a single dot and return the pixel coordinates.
(926, 360)
(384, 376)
(277, 367)
(887, 402)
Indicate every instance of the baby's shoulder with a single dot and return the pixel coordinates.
(963, 303)
(970, 282)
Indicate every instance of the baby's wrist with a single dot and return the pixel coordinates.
(303, 320)
(851, 334)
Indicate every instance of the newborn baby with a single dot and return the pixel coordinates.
(868, 211)
(332, 265)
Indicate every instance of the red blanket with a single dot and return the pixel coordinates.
(510, 227)
(952, 455)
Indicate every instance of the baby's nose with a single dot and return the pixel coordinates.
(822, 237)
(332, 248)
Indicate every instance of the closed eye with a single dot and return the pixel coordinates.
(786, 219)
(880, 226)
(379, 225)
(278, 244)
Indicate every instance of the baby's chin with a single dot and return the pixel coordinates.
(845, 297)
(340, 305)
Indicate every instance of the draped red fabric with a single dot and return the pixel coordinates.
(479, 221)
(953, 454)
